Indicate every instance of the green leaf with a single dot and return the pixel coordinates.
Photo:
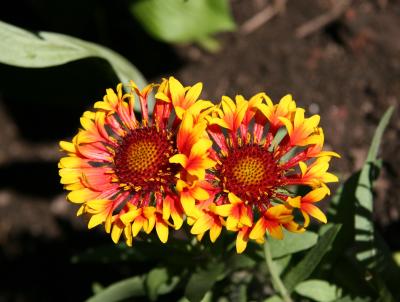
(240, 261)
(318, 290)
(352, 206)
(396, 257)
(313, 257)
(202, 281)
(22, 48)
(282, 263)
(292, 243)
(178, 21)
(131, 287)
(154, 280)
(364, 228)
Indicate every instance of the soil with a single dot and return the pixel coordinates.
(347, 71)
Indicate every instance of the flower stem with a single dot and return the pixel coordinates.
(280, 287)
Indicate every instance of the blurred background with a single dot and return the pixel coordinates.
(339, 59)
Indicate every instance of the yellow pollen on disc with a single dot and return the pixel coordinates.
(249, 171)
(142, 155)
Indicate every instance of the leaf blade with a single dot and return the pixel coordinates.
(307, 265)
(21, 48)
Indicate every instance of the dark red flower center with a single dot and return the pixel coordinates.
(142, 159)
(250, 172)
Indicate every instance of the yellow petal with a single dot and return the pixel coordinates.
(82, 195)
(67, 146)
(294, 202)
(97, 219)
(234, 199)
(202, 224)
(137, 226)
(276, 232)
(215, 231)
(288, 125)
(315, 212)
(241, 244)
(231, 223)
(223, 210)
(179, 159)
(258, 230)
(316, 195)
(194, 92)
(116, 233)
(162, 231)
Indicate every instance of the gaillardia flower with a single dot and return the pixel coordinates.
(261, 150)
(124, 170)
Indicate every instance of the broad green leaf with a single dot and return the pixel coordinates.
(202, 281)
(313, 257)
(240, 261)
(119, 291)
(179, 21)
(282, 263)
(154, 280)
(97, 288)
(364, 227)
(19, 47)
(274, 299)
(396, 257)
(318, 290)
(292, 243)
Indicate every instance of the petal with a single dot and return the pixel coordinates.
(275, 230)
(234, 199)
(315, 195)
(258, 230)
(215, 231)
(294, 202)
(223, 210)
(203, 224)
(314, 211)
(193, 93)
(179, 159)
(116, 233)
(97, 219)
(241, 242)
(137, 226)
(82, 195)
(162, 230)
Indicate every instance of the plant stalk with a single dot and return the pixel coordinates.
(280, 287)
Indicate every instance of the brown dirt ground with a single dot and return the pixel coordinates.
(348, 72)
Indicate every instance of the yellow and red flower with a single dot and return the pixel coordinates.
(260, 149)
(124, 171)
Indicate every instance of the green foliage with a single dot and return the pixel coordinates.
(179, 21)
(202, 281)
(364, 228)
(22, 48)
(292, 243)
(306, 266)
(318, 290)
(131, 287)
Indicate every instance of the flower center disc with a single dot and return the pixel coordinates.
(250, 172)
(142, 159)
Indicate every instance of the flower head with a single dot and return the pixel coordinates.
(124, 170)
(261, 150)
